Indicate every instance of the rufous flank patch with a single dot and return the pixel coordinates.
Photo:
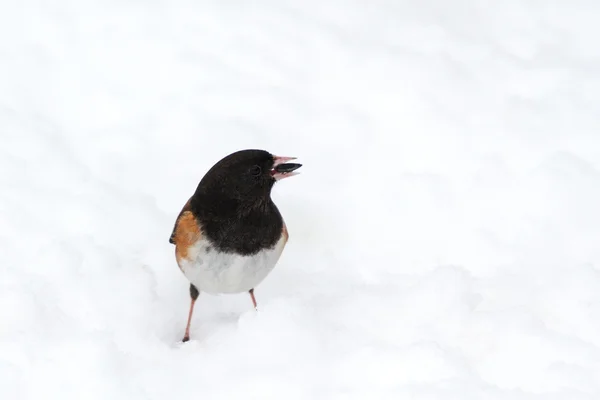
(187, 233)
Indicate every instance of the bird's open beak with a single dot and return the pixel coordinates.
(282, 169)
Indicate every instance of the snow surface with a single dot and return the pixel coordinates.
(444, 232)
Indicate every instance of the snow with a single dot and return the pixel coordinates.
(444, 231)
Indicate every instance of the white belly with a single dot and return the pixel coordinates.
(214, 272)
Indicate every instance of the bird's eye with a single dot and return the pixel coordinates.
(256, 170)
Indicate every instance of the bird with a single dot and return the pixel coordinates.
(229, 235)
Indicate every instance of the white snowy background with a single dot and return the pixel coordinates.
(444, 232)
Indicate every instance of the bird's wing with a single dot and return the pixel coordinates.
(186, 233)
(186, 208)
(285, 232)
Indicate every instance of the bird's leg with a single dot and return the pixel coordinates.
(194, 293)
(251, 291)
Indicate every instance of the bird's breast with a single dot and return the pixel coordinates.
(214, 271)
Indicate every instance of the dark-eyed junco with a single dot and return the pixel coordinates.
(229, 235)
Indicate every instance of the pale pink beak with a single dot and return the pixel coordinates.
(281, 170)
